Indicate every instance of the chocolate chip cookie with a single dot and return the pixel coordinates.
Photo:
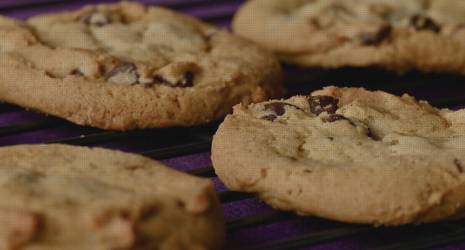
(74, 198)
(124, 66)
(347, 154)
(398, 35)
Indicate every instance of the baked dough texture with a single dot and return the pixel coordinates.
(126, 66)
(347, 154)
(398, 35)
(76, 198)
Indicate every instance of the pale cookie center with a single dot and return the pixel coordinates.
(129, 52)
(322, 130)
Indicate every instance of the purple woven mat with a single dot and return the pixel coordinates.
(302, 81)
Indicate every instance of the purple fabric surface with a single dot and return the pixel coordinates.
(4, 4)
(214, 10)
(219, 12)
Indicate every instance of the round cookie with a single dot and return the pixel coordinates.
(125, 66)
(347, 154)
(74, 198)
(424, 35)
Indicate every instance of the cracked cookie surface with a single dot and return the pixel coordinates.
(125, 66)
(74, 198)
(424, 35)
(347, 154)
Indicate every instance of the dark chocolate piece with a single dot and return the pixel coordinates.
(319, 104)
(376, 37)
(420, 22)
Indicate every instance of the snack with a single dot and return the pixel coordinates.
(125, 66)
(347, 154)
(397, 35)
(74, 198)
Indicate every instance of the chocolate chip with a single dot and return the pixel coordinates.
(420, 22)
(50, 74)
(269, 117)
(335, 117)
(148, 212)
(458, 164)
(76, 72)
(314, 22)
(208, 37)
(376, 37)
(372, 135)
(98, 19)
(180, 204)
(186, 81)
(277, 109)
(322, 103)
(124, 73)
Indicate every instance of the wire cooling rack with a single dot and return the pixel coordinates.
(250, 223)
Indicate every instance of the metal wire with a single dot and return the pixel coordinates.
(194, 140)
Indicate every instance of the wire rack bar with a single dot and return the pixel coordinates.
(29, 126)
(257, 220)
(96, 138)
(232, 196)
(428, 242)
(313, 238)
(179, 150)
(5, 108)
(207, 172)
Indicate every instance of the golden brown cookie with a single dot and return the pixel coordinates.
(75, 198)
(125, 66)
(424, 35)
(347, 154)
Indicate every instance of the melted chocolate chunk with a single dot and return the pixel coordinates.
(420, 22)
(335, 117)
(125, 73)
(372, 135)
(149, 212)
(376, 37)
(277, 109)
(49, 74)
(459, 166)
(314, 22)
(270, 117)
(322, 103)
(186, 81)
(76, 72)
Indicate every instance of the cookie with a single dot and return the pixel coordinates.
(125, 66)
(74, 198)
(347, 154)
(397, 35)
